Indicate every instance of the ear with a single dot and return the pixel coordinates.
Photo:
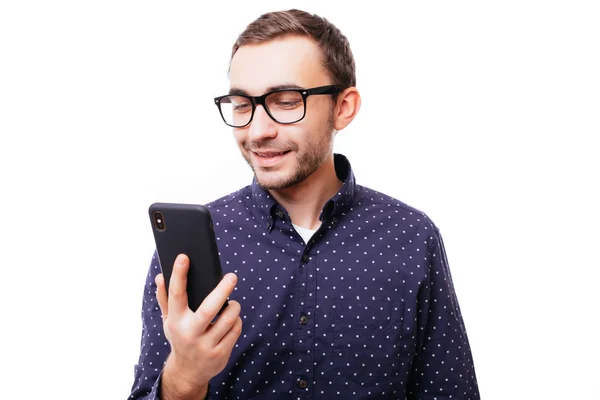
(348, 104)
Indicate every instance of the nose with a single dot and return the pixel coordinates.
(262, 126)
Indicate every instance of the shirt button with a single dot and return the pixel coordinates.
(305, 258)
(279, 213)
(302, 384)
(303, 319)
(334, 220)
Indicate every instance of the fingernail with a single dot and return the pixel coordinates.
(231, 277)
(180, 260)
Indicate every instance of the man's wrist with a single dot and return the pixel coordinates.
(174, 386)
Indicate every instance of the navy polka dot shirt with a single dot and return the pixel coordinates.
(365, 310)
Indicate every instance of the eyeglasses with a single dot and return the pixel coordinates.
(285, 106)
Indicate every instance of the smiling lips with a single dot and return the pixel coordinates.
(268, 158)
(270, 153)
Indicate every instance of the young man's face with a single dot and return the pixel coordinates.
(256, 69)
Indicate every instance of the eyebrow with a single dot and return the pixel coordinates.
(238, 91)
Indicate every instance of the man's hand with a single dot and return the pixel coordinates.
(200, 349)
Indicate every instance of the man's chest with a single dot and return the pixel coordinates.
(342, 281)
(343, 306)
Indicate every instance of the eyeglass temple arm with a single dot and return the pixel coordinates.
(330, 89)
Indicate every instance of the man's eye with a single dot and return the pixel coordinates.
(241, 107)
(287, 104)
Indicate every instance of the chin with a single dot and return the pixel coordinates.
(273, 180)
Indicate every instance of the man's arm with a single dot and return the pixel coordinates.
(195, 348)
(154, 347)
(443, 367)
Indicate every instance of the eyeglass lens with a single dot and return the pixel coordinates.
(284, 107)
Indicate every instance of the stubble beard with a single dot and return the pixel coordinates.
(306, 163)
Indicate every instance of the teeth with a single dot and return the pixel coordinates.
(270, 154)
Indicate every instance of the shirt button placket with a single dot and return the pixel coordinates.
(305, 339)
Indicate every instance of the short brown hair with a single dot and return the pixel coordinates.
(337, 56)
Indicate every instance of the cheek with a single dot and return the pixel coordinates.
(319, 118)
(312, 131)
(240, 136)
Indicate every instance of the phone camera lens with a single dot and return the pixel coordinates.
(159, 220)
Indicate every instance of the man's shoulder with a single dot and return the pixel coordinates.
(382, 199)
(396, 209)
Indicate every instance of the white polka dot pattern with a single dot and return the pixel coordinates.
(365, 310)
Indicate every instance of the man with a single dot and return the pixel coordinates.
(346, 292)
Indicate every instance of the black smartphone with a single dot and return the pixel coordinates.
(187, 229)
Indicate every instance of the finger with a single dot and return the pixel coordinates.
(214, 301)
(178, 299)
(161, 294)
(224, 323)
(231, 337)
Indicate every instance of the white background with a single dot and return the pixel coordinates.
(485, 116)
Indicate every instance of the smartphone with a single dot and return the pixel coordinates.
(187, 229)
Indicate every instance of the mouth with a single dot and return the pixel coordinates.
(268, 158)
(270, 154)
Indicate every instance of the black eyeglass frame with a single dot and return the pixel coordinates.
(256, 100)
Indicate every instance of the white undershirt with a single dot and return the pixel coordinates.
(304, 232)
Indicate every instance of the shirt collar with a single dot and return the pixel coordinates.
(332, 210)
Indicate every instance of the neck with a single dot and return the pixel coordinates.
(305, 200)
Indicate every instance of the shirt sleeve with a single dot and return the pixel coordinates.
(443, 366)
(154, 347)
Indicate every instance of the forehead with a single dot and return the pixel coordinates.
(291, 60)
